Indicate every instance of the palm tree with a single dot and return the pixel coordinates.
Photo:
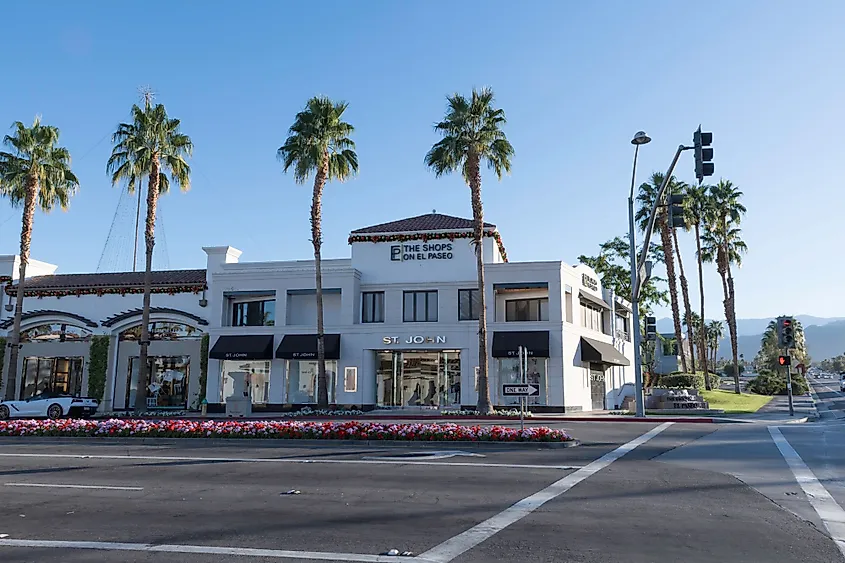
(723, 245)
(152, 146)
(318, 142)
(646, 198)
(472, 132)
(35, 172)
(698, 206)
(681, 188)
(715, 333)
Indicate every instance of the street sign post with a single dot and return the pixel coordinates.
(520, 390)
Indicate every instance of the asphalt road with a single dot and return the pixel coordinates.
(592, 503)
(830, 401)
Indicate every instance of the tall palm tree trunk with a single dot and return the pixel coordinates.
(702, 332)
(149, 239)
(26, 240)
(687, 308)
(317, 240)
(669, 257)
(483, 405)
(732, 331)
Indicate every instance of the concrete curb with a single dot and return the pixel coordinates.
(279, 442)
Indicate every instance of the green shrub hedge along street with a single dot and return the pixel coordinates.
(771, 383)
(687, 381)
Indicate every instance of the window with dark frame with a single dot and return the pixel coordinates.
(254, 313)
(419, 307)
(372, 307)
(469, 304)
(527, 310)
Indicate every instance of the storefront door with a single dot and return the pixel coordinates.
(598, 388)
(418, 378)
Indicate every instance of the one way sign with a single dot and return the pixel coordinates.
(525, 390)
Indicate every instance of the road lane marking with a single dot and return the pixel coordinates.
(58, 486)
(283, 460)
(820, 499)
(205, 550)
(454, 547)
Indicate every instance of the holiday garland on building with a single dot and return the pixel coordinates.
(100, 291)
(425, 237)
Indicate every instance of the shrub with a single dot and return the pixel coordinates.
(771, 383)
(98, 359)
(687, 381)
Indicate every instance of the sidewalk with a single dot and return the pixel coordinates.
(776, 411)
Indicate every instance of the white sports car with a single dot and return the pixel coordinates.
(49, 405)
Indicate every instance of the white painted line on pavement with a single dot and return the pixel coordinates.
(287, 460)
(454, 547)
(58, 486)
(204, 549)
(820, 499)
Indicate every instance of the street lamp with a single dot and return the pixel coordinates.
(640, 138)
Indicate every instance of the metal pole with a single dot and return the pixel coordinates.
(635, 309)
(521, 380)
(653, 217)
(788, 385)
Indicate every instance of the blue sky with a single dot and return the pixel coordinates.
(576, 80)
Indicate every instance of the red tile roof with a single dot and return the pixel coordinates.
(131, 281)
(422, 223)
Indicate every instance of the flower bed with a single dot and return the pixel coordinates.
(164, 413)
(278, 429)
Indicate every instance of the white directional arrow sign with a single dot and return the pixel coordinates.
(520, 390)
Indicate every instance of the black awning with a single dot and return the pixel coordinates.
(593, 299)
(601, 353)
(622, 307)
(506, 344)
(243, 347)
(304, 347)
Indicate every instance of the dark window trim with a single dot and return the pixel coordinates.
(473, 317)
(416, 319)
(234, 303)
(539, 301)
(372, 307)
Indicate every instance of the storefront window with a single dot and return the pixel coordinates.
(257, 380)
(163, 331)
(418, 379)
(62, 376)
(535, 375)
(55, 332)
(167, 381)
(302, 381)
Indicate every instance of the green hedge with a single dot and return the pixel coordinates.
(771, 383)
(203, 368)
(687, 381)
(98, 361)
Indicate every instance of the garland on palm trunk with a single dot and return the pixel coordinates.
(425, 237)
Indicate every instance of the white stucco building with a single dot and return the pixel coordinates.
(400, 318)
(401, 323)
(64, 313)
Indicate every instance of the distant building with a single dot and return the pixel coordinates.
(667, 358)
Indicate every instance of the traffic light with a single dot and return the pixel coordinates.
(651, 328)
(786, 332)
(784, 361)
(676, 210)
(703, 155)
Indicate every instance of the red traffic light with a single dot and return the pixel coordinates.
(784, 360)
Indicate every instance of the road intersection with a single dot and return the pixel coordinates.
(637, 492)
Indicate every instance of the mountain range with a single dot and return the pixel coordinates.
(825, 336)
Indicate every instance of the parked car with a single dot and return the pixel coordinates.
(49, 405)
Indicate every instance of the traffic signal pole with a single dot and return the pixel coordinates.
(789, 384)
